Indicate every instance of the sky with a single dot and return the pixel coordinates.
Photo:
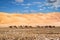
(29, 6)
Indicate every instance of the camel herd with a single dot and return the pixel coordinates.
(21, 26)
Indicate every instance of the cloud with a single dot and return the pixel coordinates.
(37, 2)
(33, 11)
(19, 1)
(41, 5)
(28, 4)
(26, 11)
(55, 4)
(23, 4)
(42, 8)
(26, 7)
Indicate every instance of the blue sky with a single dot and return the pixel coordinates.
(29, 6)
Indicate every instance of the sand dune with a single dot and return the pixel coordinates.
(30, 19)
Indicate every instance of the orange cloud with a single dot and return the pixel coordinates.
(30, 19)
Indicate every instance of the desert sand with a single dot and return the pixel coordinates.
(33, 19)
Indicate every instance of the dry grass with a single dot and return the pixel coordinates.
(28, 33)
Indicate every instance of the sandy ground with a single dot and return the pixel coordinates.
(32, 19)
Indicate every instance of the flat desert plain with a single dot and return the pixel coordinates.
(10, 26)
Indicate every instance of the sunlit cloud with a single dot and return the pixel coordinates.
(19, 1)
(37, 2)
(42, 8)
(23, 4)
(28, 4)
(55, 4)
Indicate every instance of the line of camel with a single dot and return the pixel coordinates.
(21, 26)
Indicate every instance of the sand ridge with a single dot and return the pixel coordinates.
(30, 19)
